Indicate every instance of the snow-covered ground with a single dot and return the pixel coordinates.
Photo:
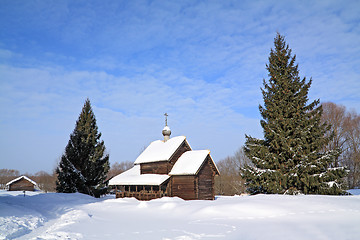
(77, 216)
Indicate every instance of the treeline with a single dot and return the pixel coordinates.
(47, 181)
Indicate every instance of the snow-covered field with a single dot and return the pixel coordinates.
(77, 216)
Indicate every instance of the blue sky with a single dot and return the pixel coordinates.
(202, 62)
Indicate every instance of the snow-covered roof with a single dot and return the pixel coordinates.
(19, 178)
(133, 177)
(189, 163)
(160, 151)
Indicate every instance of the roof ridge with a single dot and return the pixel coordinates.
(18, 178)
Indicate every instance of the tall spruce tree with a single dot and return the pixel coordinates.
(84, 165)
(290, 159)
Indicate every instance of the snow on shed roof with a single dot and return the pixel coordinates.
(19, 178)
(189, 163)
(133, 177)
(160, 151)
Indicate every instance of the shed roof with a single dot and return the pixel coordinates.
(160, 151)
(19, 178)
(133, 177)
(190, 162)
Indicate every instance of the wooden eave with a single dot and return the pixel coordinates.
(212, 165)
(169, 160)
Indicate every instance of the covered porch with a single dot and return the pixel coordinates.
(144, 192)
(140, 186)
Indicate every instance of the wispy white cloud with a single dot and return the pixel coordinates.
(129, 110)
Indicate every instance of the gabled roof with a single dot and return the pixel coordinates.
(190, 163)
(19, 178)
(133, 177)
(160, 151)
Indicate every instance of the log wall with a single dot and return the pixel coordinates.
(21, 185)
(206, 181)
(183, 187)
(154, 168)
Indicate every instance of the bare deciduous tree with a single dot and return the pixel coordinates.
(230, 182)
(351, 154)
(117, 168)
(6, 175)
(345, 127)
(45, 181)
(335, 115)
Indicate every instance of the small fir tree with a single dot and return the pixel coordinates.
(290, 158)
(84, 165)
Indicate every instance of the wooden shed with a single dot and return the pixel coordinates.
(171, 168)
(22, 183)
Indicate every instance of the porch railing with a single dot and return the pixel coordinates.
(141, 195)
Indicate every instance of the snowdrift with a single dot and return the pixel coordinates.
(78, 216)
